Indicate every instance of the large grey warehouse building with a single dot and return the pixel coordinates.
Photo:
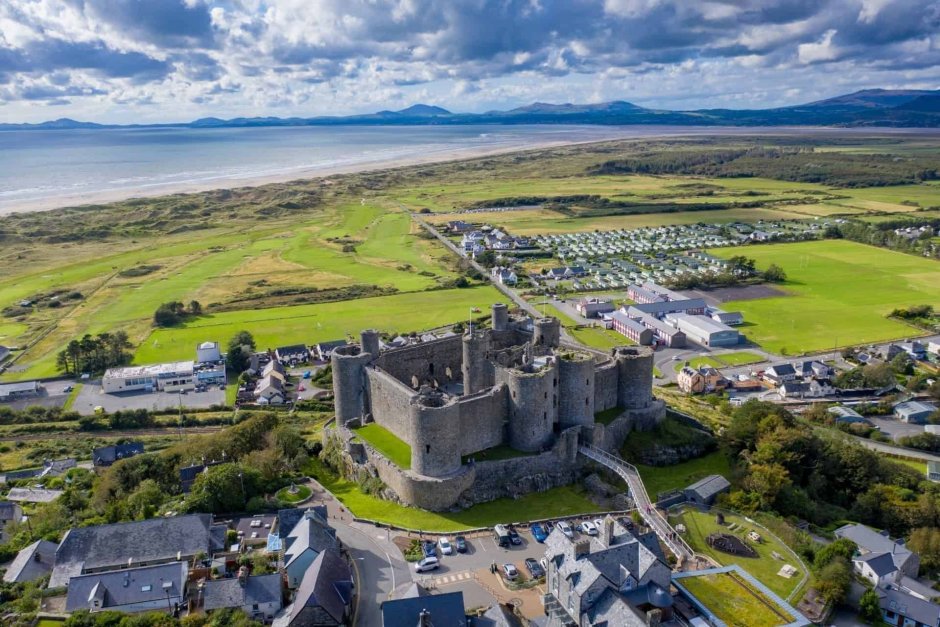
(705, 331)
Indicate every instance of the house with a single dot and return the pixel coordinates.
(780, 373)
(806, 389)
(902, 609)
(309, 537)
(49, 468)
(294, 354)
(705, 491)
(324, 350)
(325, 595)
(418, 607)
(813, 370)
(614, 578)
(10, 513)
(107, 455)
(914, 412)
(16, 391)
(933, 471)
(145, 589)
(504, 276)
(915, 350)
(627, 326)
(870, 541)
(878, 568)
(270, 390)
(31, 563)
(699, 380)
(274, 367)
(459, 226)
(33, 495)
(103, 548)
(259, 597)
(594, 307)
(208, 353)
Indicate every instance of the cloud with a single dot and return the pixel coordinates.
(302, 57)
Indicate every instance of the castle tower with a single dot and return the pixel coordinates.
(436, 425)
(369, 341)
(475, 368)
(500, 318)
(575, 389)
(635, 376)
(547, 332)
(533, 405)
(349, 382)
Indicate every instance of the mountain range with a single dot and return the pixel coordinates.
(870, 107)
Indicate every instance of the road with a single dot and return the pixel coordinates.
(896, 450)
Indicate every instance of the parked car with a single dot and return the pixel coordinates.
(535, 569)
(429, 548)
(502, 535)
(598, 523)
(566, 528)
(428, 563)
(514, 536)
(446, 547)
(510, 572)
(538, 532)
(588, 527)
(68, 388)
(461, 543)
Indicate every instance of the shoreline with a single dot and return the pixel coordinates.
(458, 153)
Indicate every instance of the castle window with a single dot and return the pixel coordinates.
(431, 368)
(587, 382)
(555, 382)
(546, 395)
(587, 402)
(427, 449)
(545, 415)
(514, 394)
(554, 401)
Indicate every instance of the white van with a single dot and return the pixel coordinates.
(428, 563)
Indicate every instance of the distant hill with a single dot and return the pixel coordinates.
(869, 107)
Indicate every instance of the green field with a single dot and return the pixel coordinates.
(764, 567)
(735, 601)
(386, 443)
(315, 323)
(838, 294)
(660, 479)
(740, 358)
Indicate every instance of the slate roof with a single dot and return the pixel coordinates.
(610, 609)
(153, 540)
(327, 584)
(913, 407)
(881, 563)
(912, 607)
(447, 610)
(870, 541)
(288, 518)
(781, 370)
(309, 533)
(126, 587)
(9, 511)
(222, 593)
(709, 486)
(107, 455)
(32, 562)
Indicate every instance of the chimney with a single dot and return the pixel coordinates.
(242, 575)
(424, 619)
(654, 617)
(582, 548)
(608, 531)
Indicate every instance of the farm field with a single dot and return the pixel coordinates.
(840, 293)
(764, 567)
(282, 326)
(734, 601)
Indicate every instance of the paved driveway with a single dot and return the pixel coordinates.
(91, 396)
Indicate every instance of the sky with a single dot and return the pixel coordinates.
(123, 61)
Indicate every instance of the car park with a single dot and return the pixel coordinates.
(514, 536)
(428, 563)
(566, 529)
(535, 569)
(588, 527)
(538, 532)
(446, 547)
(460, 543)
(510, 572)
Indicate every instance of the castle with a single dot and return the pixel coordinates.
(513, 385)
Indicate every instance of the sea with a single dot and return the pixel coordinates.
(42, 169)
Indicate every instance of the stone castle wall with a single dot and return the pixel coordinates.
(606, 377)
(483, 420)
(425, 361)
(391, 403)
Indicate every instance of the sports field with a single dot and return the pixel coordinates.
(840, 293)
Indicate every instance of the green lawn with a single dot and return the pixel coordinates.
(838, 294)
(764, 567)
(734, 601)
(698, 362)
(320, 322)
(386, 443)
(740, 358)
(659, 479)
(557, 502)
(285, 494)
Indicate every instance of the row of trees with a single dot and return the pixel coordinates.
(883, 235)
(95, 353)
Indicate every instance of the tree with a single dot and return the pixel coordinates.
(843, 547)
(903, 364)
(195, 307)
(244, 339)
(869, 607)
(237, 359)
(774, 274)
(833, 581)
(223, 488)
(741, 265)
(766, 480)
(144, 502)
(926, 542)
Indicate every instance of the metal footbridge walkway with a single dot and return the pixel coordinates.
(651, 516)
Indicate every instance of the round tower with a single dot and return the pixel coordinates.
(547, 332)
(575, 389)
(349, 382)
(635, 376)
(476, 345)
(500, 318)
(435, 451)
(533, 406)
(369, 341)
